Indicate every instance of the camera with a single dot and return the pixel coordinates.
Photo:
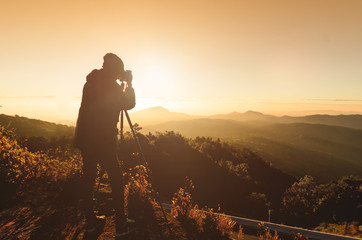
(127, 76)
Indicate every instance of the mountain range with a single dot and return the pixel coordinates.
(157, 115)
(324, 146)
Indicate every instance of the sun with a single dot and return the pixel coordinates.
(159, 72)
(157, 77)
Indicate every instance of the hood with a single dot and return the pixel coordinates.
(95, 76)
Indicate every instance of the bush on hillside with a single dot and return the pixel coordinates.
(23, 168)
(337, 201)
(199, 223)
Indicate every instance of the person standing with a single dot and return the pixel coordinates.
(96, 132)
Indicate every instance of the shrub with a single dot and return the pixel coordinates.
(265, 234)
(199, 223)
(23, 168)
(139, 196)
(300, 237)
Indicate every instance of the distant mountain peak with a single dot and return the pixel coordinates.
(234, 113)
(159, 108)
(250, 112)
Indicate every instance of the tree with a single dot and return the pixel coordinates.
(300, 201)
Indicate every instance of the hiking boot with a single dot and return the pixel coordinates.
(94, 224)
(124, 227)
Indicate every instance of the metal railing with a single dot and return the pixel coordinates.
(311, 234)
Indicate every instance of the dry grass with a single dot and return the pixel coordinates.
(199, 223)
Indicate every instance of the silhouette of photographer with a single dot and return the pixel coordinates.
(96, 132)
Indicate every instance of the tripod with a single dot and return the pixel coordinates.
(124, 112)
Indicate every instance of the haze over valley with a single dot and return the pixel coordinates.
(332, 144)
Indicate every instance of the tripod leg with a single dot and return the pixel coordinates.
(144, 160)
(136, 138)
(122, 125)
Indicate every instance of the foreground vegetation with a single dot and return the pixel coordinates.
(42, 187)
(42, 199)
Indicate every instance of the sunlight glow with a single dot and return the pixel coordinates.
(155, 77)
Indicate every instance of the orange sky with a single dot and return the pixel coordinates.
(199, 57)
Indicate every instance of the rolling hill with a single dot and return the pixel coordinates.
(27, 127)
(324, 146)
(157, 115)
(350, 121)
(326, 152)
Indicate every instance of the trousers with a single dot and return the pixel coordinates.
(107, 158)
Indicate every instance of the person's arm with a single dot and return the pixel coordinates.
(128, 98)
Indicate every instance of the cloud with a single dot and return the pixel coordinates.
(27, 97)
(334, 100)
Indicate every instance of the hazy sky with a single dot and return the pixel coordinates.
(198, 57)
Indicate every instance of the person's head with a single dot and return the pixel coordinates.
(113, 65)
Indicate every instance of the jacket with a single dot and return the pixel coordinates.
(102, 101)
